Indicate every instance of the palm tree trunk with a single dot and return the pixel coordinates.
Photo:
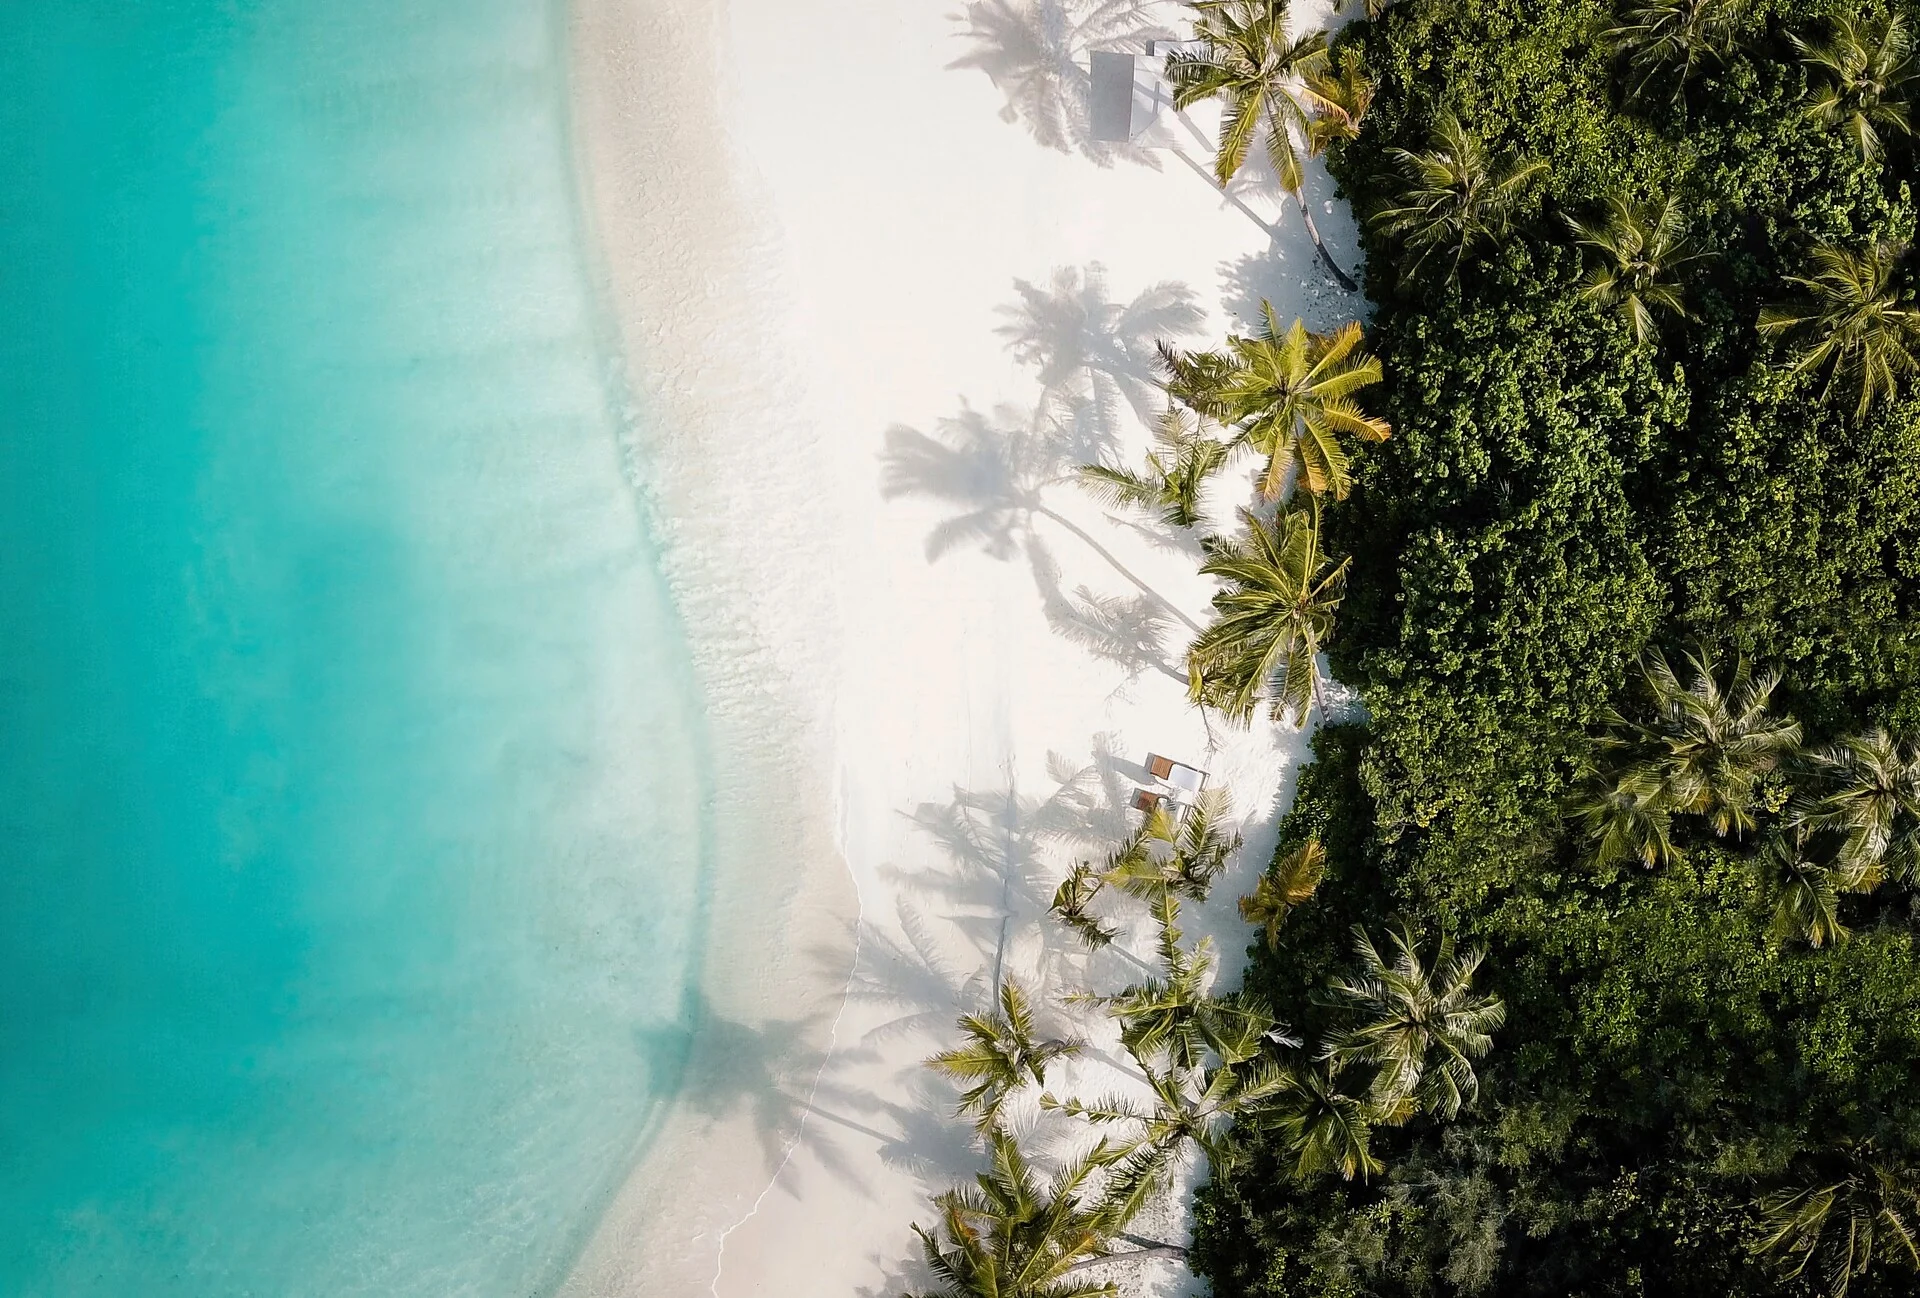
(1140, 1241)
(1326, 258)
(1172, 1252)
(1117, 566)
(1306, 216)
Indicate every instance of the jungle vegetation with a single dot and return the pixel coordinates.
(1632, 599)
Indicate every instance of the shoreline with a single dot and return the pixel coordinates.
(768, 989)
(814, 277)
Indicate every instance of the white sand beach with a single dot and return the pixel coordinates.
(879, 292)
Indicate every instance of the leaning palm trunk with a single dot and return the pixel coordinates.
(1267, 78)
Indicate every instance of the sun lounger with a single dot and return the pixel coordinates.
(1178, 776)
(1146, 800)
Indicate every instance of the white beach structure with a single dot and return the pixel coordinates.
(1131, 100)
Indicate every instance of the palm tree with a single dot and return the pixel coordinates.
(1275, 611)
(1872, 796)
(1000, 1057)
(1167, 854)
(1326, 1128)
(1853, 319)
(1868, 1213)
(1266, 76)
(1806, 893)
(1860, 75)
(1289, 882)
(1188, 1109)
(1342, 92)
(1640, 247)
(1014, 1236)
(1710, 746)
(1406, 1014)
(1176, 475)
(1450, 197)
(1625, 816)
(1667, 41)
(1290, 393)
(1165, 1015)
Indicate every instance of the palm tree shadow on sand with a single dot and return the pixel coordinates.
(1086, 347)
(996, 471)
(1035, 53)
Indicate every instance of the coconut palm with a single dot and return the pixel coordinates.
(1188, 1110)
(1861, 76)
(1326, 1128)
(1288, 883)
(1864, 1210)
(1451, 198)
(1174, 480)
(1625, 816)
(1853, 321)
(1419, 1029)
(1274, 613)
(1181, 855)
(1342, 92)
(1871, 795)
(1290, 393)
(1013, 1235)
(1001, 1055)
(1639, 247)
(1164, 1016)
(1665, 42)
(1249, 58)
(1708, 745)
(1806, 892)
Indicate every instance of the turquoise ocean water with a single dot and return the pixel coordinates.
(351, 788)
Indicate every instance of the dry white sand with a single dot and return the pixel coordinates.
(879, 293)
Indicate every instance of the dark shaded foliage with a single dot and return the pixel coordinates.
(1556, 500)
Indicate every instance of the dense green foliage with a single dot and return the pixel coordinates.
(1558, 498)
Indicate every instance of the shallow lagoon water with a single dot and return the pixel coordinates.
(352, 785)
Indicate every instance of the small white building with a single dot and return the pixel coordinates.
(1131, 100)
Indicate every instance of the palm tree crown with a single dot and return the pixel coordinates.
(1275, 86)
(1288, 883)
(1180, 855)
(1861, 73)
(1667, 41)
(1326, 1127)
(1188, 1109)
(1001, 1055)
(1175, 478)
(1853, 319)
(1707, 746)
(1871, 794)
(1806, 891)
(1625, 815)
(1863, 1211)
(1275, 612)
(1290, 393)
(1013, 1235)
(1451, 199)
(1406, 1016)
(1639, 248)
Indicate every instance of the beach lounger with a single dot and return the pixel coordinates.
(1178, 776)
(1146, 800)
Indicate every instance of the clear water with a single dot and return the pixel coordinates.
(350, 774)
